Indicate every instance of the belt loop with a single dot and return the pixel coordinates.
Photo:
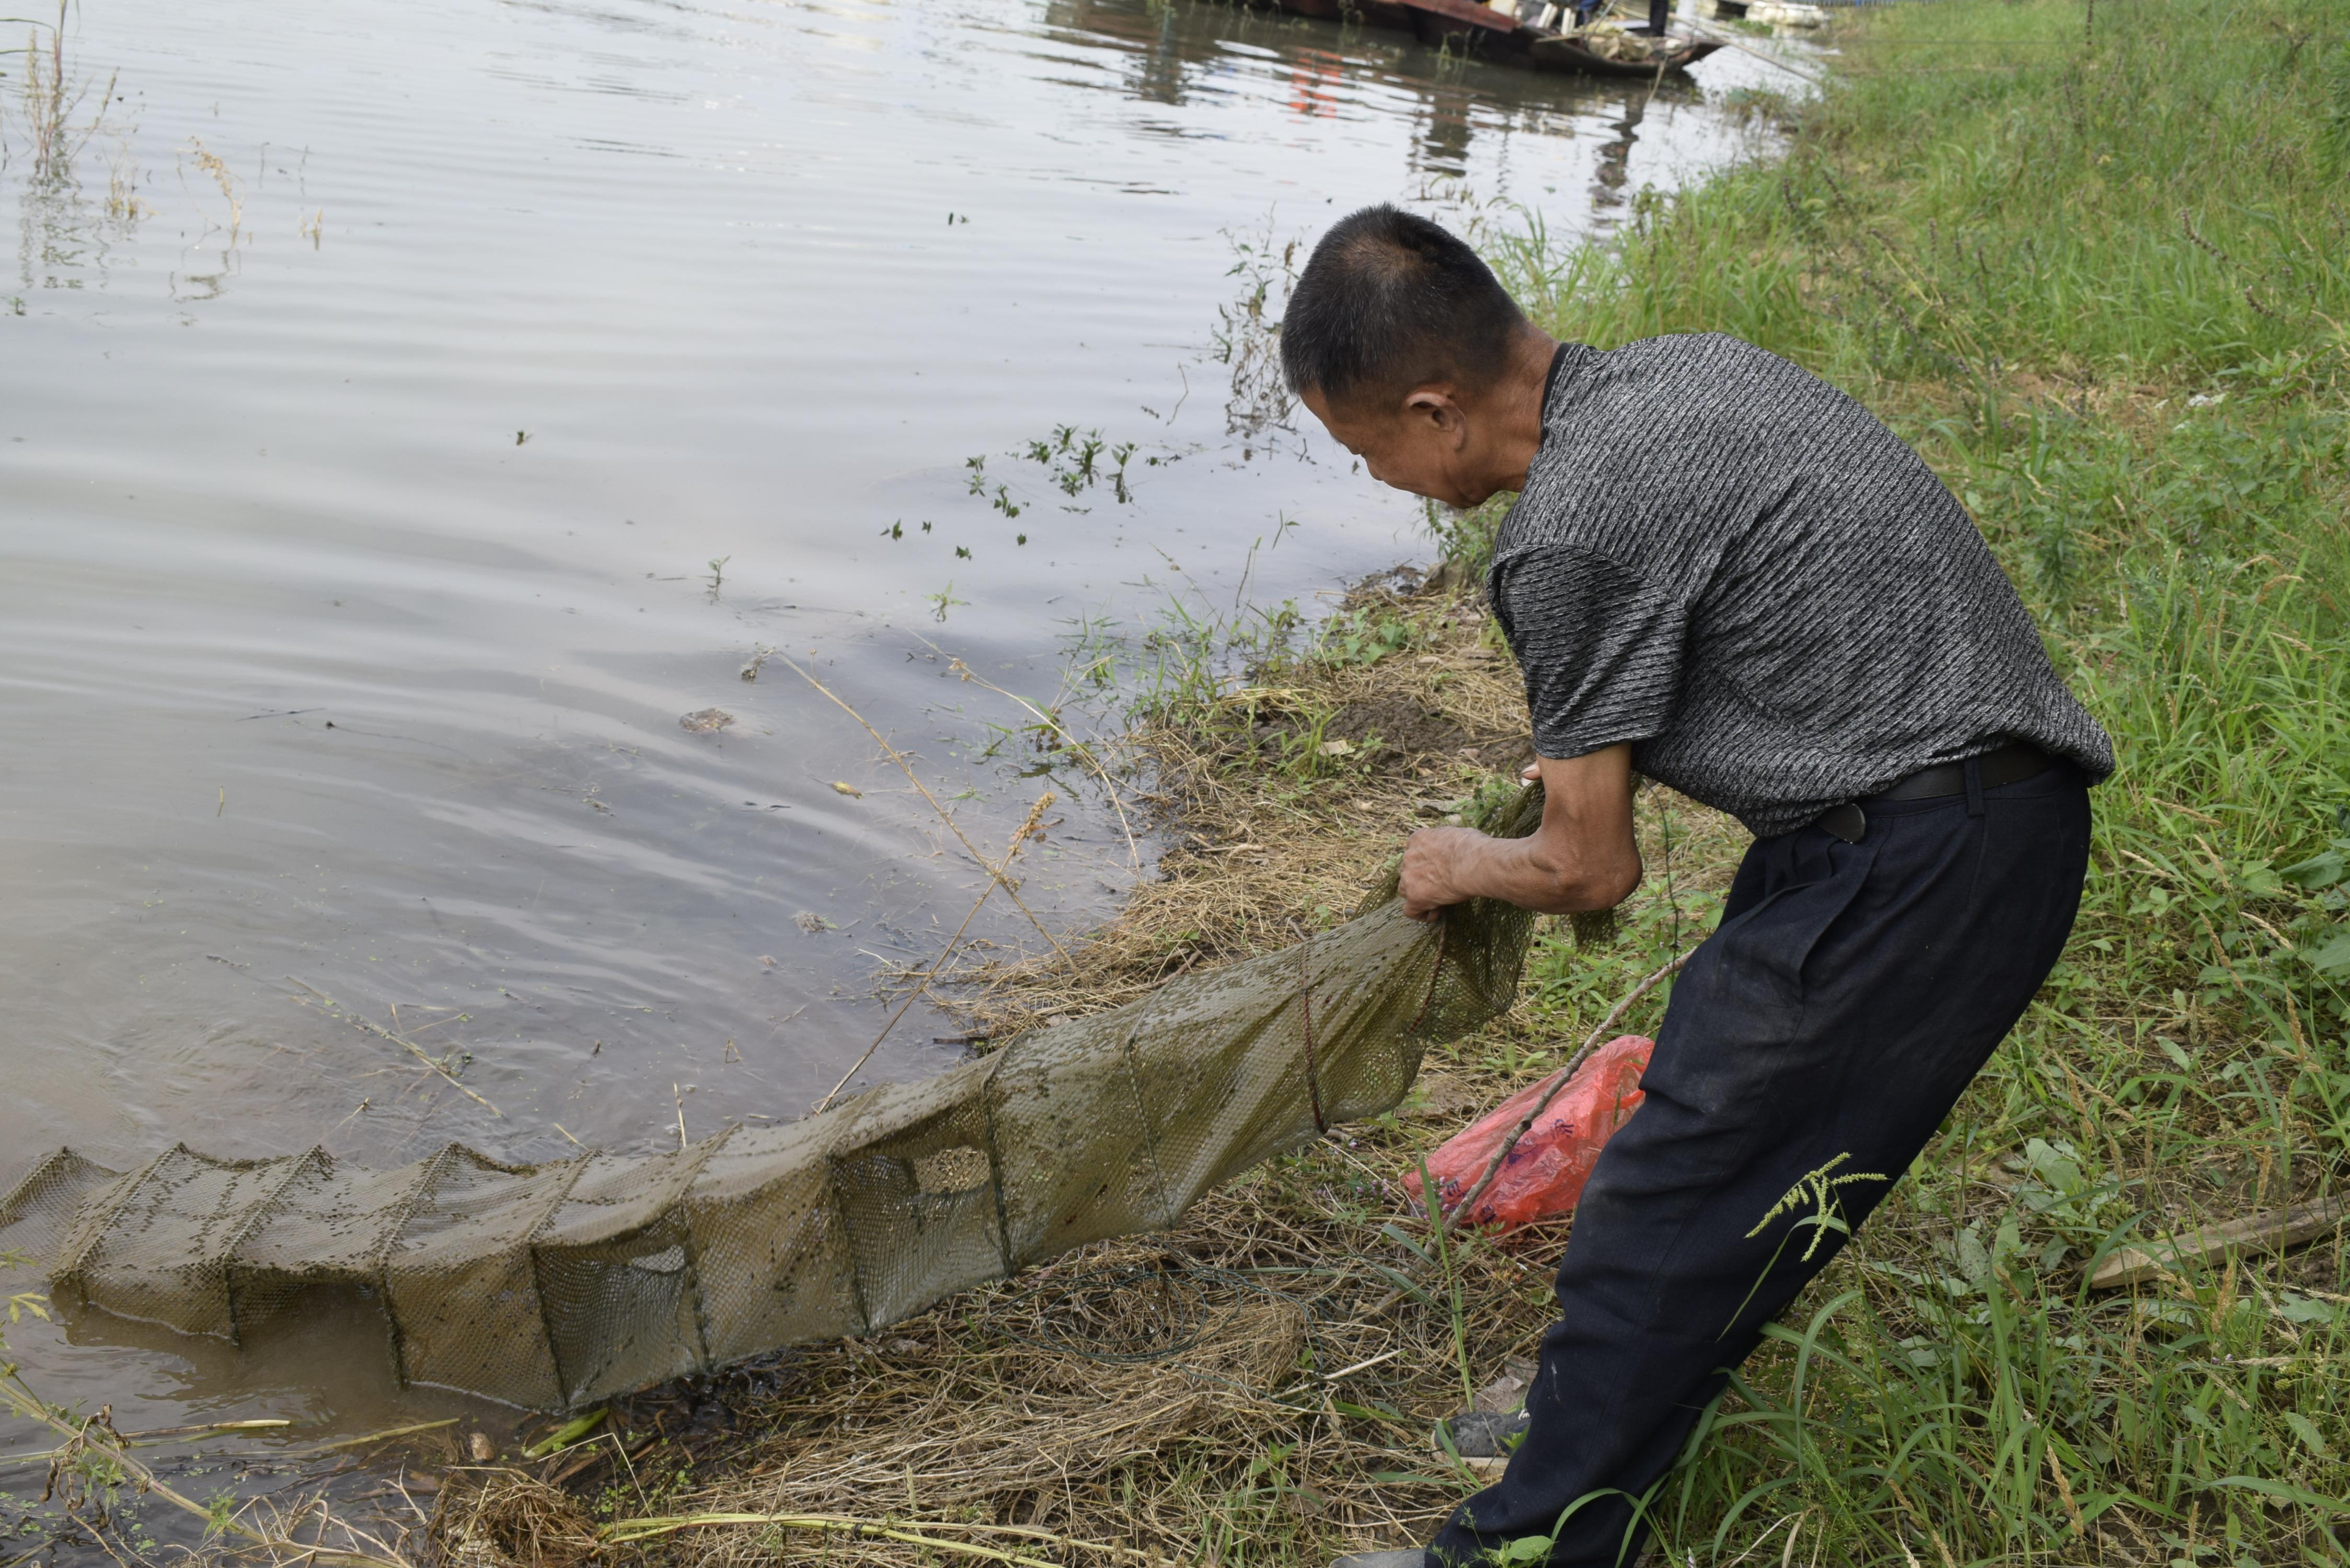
(1974, 786)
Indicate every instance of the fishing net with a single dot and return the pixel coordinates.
(551, 1284)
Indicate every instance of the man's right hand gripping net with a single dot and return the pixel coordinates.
(548, 1285)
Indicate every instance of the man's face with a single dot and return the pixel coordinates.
(1423, 445)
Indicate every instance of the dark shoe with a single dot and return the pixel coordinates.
(1484, 1434)
(1507, 1391)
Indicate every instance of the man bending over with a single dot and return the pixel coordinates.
(1723, 573)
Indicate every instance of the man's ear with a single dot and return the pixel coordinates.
(1433, 408)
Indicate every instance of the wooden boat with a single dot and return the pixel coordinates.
(1486, 34)
(1569, 52)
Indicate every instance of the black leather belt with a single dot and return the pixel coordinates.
(2011, 763)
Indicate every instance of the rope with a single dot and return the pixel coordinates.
(1306, 1006)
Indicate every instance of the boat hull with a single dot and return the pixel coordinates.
(1559, 52)
(1488, 34)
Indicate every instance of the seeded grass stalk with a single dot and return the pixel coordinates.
(1444, 1241)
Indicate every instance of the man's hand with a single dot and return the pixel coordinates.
(1437, 864)
(1583, 857)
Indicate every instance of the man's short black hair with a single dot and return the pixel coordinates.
(1389, 302)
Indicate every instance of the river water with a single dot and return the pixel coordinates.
(414, 410)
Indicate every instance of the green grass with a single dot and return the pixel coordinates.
(1986, 188)
(2100, 280)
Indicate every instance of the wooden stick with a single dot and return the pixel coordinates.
(383, 1436)
(2271, 1232)
(1559, 1080)
(842, 1522)
(1714, 37)
(1359, 1366)
(911, 777)
(154, 1435)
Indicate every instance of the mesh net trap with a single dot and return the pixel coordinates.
(551, 1285)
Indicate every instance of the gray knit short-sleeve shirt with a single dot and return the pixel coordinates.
(1723, 560)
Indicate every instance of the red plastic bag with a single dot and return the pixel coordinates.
(1545, 1172)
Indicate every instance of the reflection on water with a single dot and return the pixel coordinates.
(416, 410)
(1616, 156)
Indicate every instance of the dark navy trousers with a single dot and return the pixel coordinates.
(1825, 1028)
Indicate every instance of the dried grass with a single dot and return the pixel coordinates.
(1264, 850)
(1286, 1414)
(486, 1519)
(950, 1418)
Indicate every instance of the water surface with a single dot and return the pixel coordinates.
(413, 411)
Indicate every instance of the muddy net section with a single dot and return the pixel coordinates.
(547, 1285)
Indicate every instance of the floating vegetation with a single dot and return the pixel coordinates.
(1247, 335)
(1074, 460)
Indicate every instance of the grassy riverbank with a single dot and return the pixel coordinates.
(2095, 268)
(2098, 274)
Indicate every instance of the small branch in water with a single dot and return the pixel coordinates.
(1081, 752)
(383, 1436)
(150, 1437)
(96, 1434)
(407, 1045)
(1768, 60)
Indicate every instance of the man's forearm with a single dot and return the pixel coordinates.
(1533, 874)
(1583, 857)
